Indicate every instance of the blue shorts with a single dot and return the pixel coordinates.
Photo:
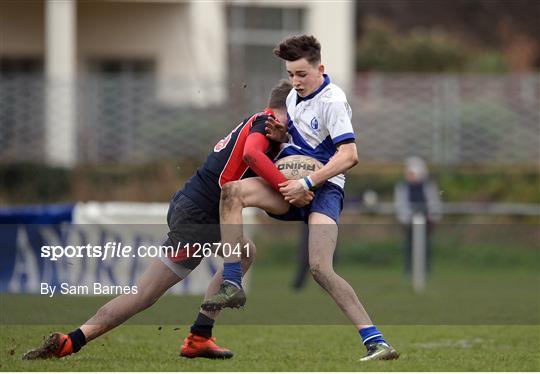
(328, 200)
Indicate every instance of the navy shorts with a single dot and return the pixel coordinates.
(188, 224)
(328, 200)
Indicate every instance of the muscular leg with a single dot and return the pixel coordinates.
(250, 192)
(235, 196)
(323, 233)
(157, 279)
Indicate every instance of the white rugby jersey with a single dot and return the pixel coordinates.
(317, 123)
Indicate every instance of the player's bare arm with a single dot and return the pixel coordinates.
(345, 158)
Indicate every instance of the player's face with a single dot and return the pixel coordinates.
(305, 77)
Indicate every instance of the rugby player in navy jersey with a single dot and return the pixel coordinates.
(193, 217)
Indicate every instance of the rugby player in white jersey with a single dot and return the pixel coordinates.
(319, 126)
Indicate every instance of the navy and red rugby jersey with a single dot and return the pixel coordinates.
(225, 164)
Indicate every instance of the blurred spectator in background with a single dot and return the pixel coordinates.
(417, 194)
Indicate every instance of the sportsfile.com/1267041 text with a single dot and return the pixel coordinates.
(111, 250)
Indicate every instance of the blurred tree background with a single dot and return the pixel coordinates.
(428, 36)
(456, 36)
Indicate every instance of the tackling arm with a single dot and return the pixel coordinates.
(254, 156)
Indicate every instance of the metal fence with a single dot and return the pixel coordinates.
(447, 119)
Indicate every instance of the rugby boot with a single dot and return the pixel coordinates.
(228, 296)
(380, 351)
(56, 345)
(198, 346)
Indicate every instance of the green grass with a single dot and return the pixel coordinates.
(469, 319)
(26, 183)
(456, 294)
(290, 348)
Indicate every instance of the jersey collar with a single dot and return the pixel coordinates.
(326, 82)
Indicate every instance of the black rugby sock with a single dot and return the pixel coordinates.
(77, 339)
(203, 326)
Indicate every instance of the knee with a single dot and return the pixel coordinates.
(146, 301)
(230, 193)
(320, 272)
(315, 269)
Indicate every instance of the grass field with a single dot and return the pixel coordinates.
(469, 319)
(291, 348)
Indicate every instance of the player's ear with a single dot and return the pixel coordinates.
(321, 69)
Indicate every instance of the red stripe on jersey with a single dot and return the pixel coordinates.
(235, 167)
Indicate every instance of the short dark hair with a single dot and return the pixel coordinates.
(279, 94)
(297, 47)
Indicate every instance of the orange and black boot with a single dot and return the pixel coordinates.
(56, 345)
(199, 346)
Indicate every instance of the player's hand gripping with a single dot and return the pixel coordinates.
(295, 194)
(276, 130)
